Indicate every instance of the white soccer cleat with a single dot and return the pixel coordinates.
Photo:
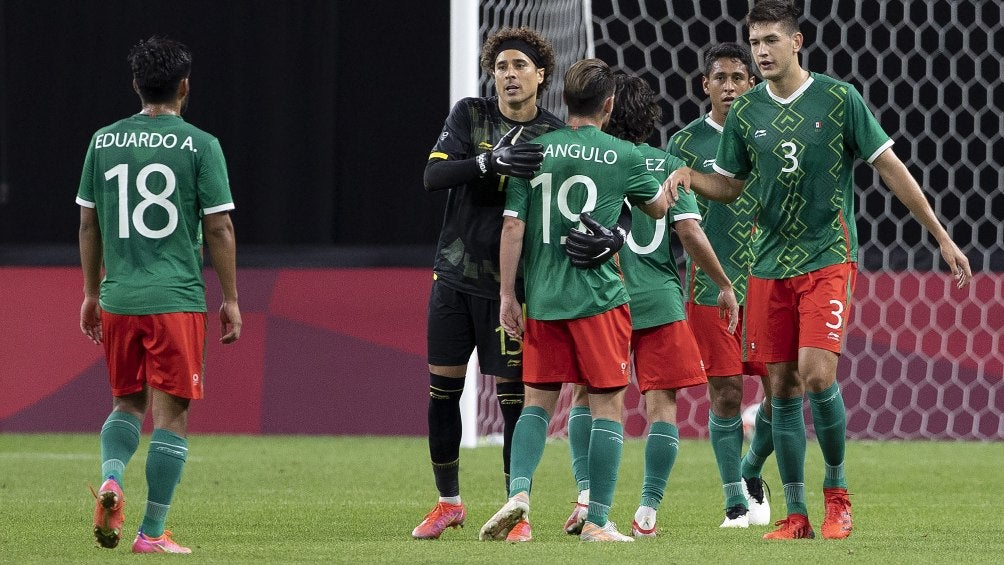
(514, 511)
(573, 525)
(592, 532)
(643, 527)
(759, 506)
(736, 517)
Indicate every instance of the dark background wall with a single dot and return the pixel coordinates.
(325, 110)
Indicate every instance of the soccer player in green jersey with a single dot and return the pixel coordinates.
(474, 159)
(665, 354)
(791, 143)
(727, 74)
(152, 187)
(577, 326)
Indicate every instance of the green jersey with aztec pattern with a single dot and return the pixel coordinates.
(797, 156)
(150, 180)
(647, 258)
(584, 170)
(728, 226)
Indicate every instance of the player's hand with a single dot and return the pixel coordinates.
(594, 247)
(957, 262)
(511, 316)
(90, 319)
(230, 322)
(512, 159)
(729, 306)
(680, 178)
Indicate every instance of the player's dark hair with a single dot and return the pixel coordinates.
(587, 84)
(635, 109)
(544, 53)
(728, 51)
(783, 12)
(158, 64)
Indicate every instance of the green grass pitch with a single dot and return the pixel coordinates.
(355, 500)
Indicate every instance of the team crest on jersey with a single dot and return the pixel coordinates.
(819, 125)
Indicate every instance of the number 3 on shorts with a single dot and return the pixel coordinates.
(838, 314)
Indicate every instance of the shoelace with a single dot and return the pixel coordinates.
(755, 486)
(734, 512)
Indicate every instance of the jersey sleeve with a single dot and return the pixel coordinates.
(517, 198)
(642, 187)
(733, 158)
(455, 140)
(686, 206)
(213, 182)
(866, 137)
(85, 192)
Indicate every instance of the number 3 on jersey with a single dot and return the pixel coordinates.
(121, 172)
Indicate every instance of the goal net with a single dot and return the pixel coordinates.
(922, 359)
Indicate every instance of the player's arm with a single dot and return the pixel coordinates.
(713, 186)
(697, 246)
(899, 180)
(506, 158)
(91, 256)
(222, 244)
(510, 248)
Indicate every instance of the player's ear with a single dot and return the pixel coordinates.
(797, 40)
(608, 105)
(135, 86)
(540, 75)
(183, 88)
(704, 83)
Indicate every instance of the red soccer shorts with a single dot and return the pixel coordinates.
(810, 310)
(593, 351)
(722, 351)
(164, 351)
(666, 357)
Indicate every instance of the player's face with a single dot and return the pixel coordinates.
(775, 51)
(516, 78)
(726, 82)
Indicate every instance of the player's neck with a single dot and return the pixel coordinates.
(154, 110)
(581, 121)
(786, 85)
(522, 112)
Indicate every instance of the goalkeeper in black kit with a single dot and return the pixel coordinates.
(484, 142)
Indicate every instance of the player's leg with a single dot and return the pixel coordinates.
(760, 447)
(825, 310)
(500, 356)
(666, 359)
(529, 439)
(548, 360)
(721, 351)
(580, 425)
(450, 331)
(120, 433)
(175, 363)
(602, 344)
(661, 447)
(725, 431)
(772, 338)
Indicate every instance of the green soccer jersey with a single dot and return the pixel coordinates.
(647, 259)
(728, 226)
(797, 157)
(151, 179)
(584, 170)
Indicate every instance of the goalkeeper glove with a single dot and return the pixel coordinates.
(592, 248)
(514, 160)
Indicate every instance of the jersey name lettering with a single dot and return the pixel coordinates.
(576, 151)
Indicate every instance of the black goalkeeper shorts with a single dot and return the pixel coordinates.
(458, 322)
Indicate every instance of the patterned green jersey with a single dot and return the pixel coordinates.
(728, 226)
(584, 170)
(647, 259)
(151, 179)
(797, 156)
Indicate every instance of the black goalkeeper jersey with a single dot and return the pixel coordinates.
(467, 255)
